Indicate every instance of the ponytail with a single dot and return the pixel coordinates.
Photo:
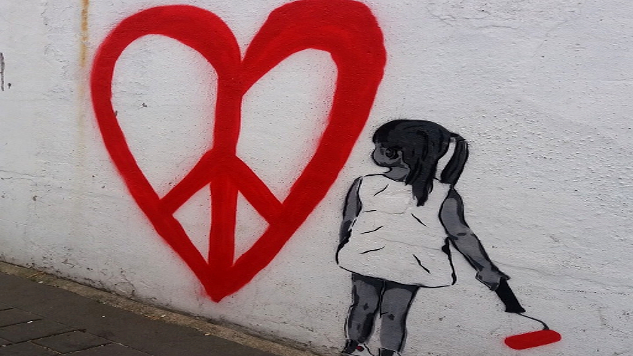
(455, 166)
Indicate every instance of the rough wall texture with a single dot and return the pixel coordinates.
(540, 90)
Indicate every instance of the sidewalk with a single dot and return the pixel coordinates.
(37, 318)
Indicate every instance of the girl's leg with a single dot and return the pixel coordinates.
(396, 300)
(366, 298)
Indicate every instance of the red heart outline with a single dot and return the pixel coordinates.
(344, 28)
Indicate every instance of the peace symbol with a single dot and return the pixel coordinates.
(344, 28)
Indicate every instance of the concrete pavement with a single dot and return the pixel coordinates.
(41, 315)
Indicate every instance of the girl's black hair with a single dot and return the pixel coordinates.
(422, 144)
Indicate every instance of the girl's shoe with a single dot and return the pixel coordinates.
(353, 348)
(385, 352)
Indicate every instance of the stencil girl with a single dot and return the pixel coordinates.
(397, 228)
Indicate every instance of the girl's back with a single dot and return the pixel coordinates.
(394, 239)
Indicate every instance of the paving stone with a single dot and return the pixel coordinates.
(163, 339)
(120, 326)
(15, 316)
(25, 349)
(72, 341)
(4, 342)
(109, 350)
(39, 298)
(141, 334)
(32, 330)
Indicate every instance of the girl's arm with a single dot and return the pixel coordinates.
(351, 210)
(462, 237)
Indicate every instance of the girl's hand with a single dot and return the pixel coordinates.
(491, 277)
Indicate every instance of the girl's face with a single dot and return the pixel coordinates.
(387, 157)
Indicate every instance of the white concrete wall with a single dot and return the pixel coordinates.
(541, 89)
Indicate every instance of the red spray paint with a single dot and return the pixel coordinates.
(344, 28)
(532, 339)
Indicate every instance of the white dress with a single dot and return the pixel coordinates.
(394, 239)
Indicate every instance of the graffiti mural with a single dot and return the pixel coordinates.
(398, 231)
(355, 42)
